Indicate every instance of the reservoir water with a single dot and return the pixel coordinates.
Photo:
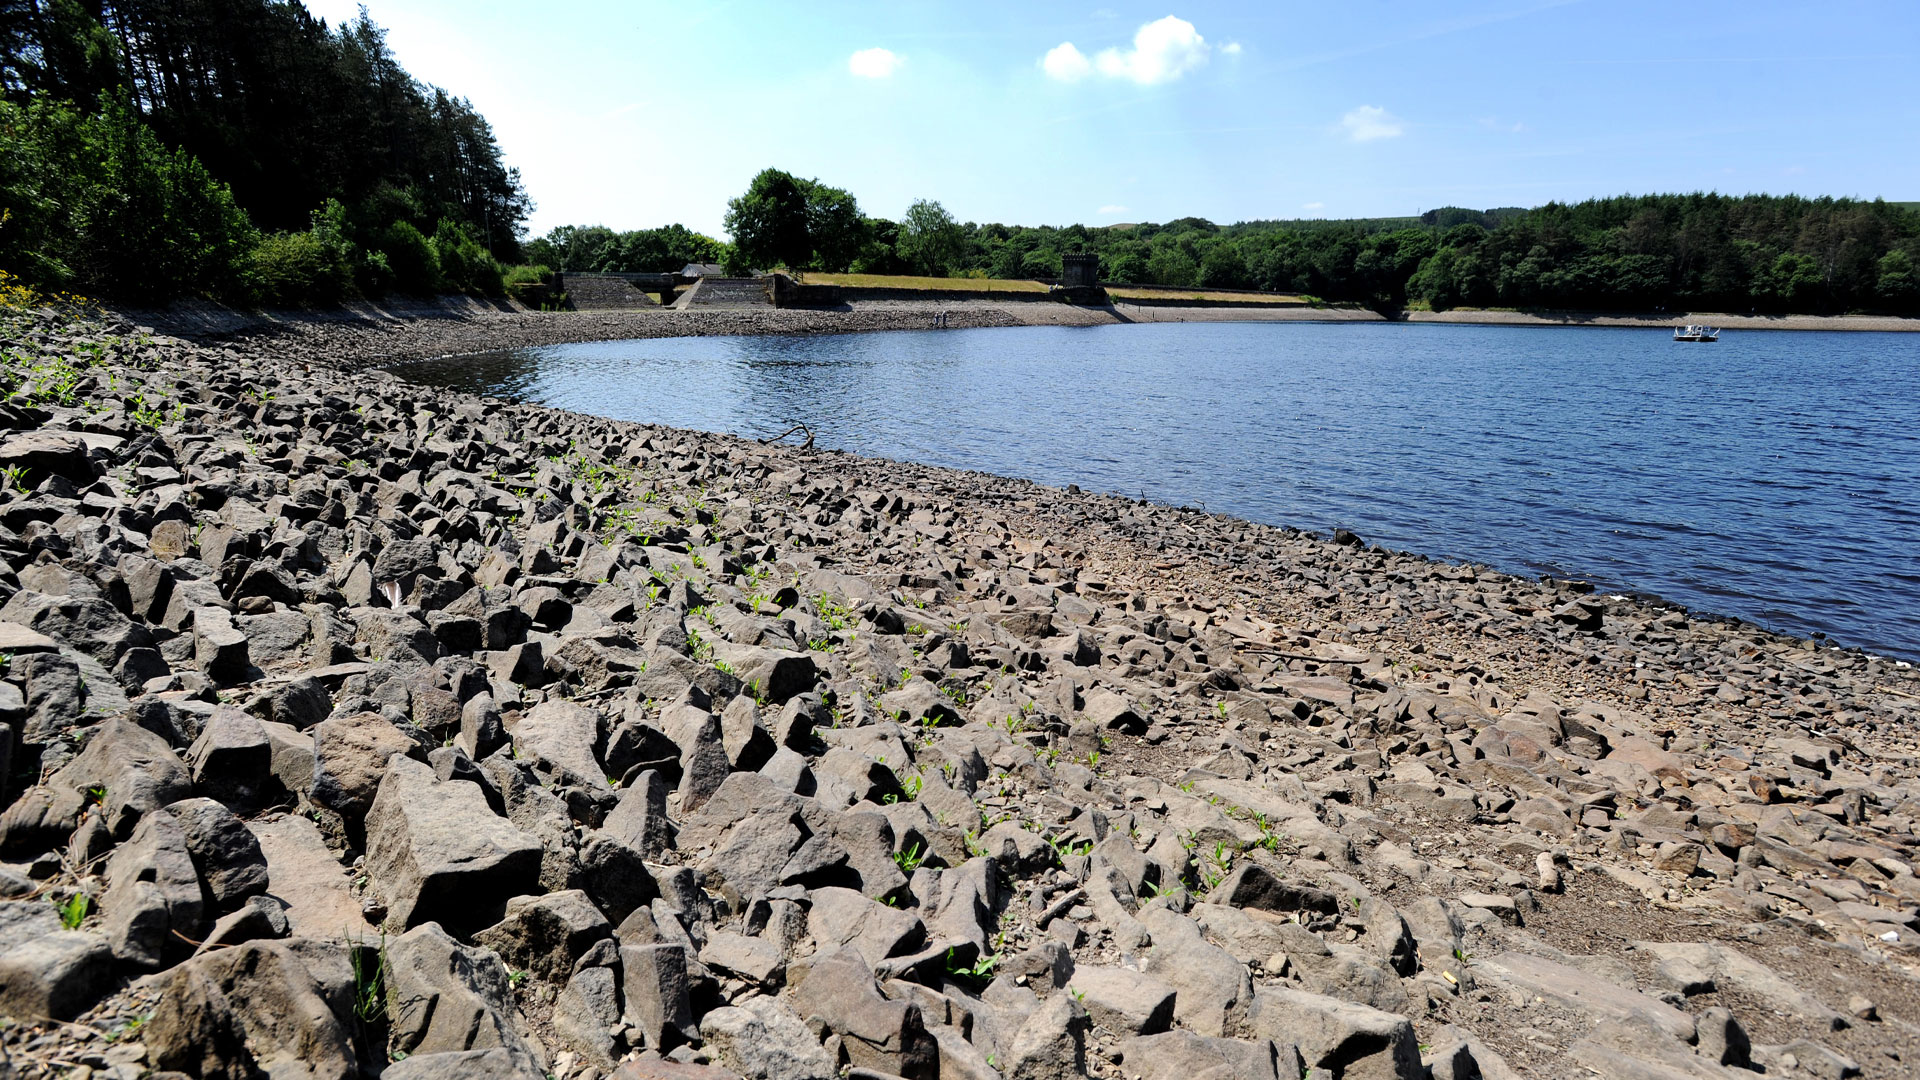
(1773, 476)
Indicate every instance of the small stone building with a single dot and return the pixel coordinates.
(1080, 271)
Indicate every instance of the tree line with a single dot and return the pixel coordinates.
(1701, 251)
(238, 149)
(1684, 252)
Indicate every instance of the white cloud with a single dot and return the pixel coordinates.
(1231, 48)
(874, 63)
(1370, 122)
(1065, 63)
(1163, 50)
(1113, 209)
(1314, 206)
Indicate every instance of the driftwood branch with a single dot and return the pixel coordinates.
(797, 426)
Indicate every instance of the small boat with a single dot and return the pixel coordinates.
(1696, 333)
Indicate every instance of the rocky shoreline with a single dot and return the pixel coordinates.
(362, 336)
(359, 728)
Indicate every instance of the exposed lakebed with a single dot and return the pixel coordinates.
(1768, 476)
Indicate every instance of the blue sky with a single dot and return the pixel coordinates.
(636, 114)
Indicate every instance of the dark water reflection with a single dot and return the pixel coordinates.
(1771, 475)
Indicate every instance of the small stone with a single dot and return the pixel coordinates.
(1684, 976)
(1503, 906)
(1677, 858)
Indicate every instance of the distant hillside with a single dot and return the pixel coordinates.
(1699, 252)
(1365, 225)
(1446, 217)
(1693, 252)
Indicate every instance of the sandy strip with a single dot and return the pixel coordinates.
(1723, 321)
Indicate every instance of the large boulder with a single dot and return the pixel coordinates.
(40, 454)
(1351, 1041)
(614, 875)
(497, 1063)
(87, 624)
(278, 1008)
(350, 756)
(220, 648)
(437, 852)
(443, 996)
(1111, 712)
(703, 760)
(546, 935)
(587, 1016)
(1251, 885)
(1212, 988)
(232, 759)
(45, 970)
(226, 854)
(639, 820)
(843, 918)
(778, 674)
(42, 818)
(890, 1036)
(558, 738)
(1182, 1055)
(400, 637)
(762, 1039)
(55, 693)
(749, 864)
(153, 906)
(129, 770)
(756, 960)
(852, 849)
(654, 987)
(1051, 1044)
(1123, 1001)
(317, 891)
(1583, 991)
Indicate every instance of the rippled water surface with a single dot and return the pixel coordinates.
(1771, 475)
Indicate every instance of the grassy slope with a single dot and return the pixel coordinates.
(1124, 293)
(888, 281)
(950, 284)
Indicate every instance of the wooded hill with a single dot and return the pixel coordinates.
(1702, 252)
(1681, 252)
(241, 149)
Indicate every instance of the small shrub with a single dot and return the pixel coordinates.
(414, 263)
(527, 275)
(910, 860)
(299, 270)
(372, 274)
(464, 264)
(369, 980)
(74, 911)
